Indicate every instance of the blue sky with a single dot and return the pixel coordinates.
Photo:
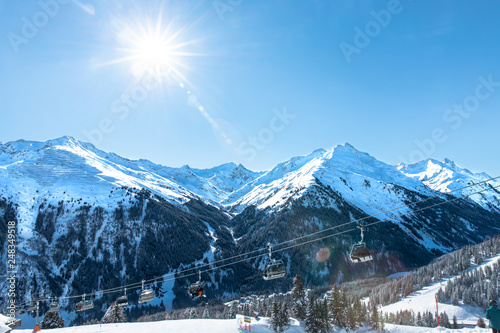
(256, 82)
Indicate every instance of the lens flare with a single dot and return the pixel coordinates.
(323, 255)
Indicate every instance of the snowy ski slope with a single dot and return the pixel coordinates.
(424, 300)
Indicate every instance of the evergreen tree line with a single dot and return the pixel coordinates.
(454, 263)
(425, 319)
(474, 287)
(334, 309)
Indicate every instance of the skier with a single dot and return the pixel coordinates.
(493, 314)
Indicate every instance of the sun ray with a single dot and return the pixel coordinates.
(154, 46)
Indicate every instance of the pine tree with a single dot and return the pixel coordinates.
(193, 314)
(299, 300)
(374, 317)
(429, 319)
(114, 314)
(419, 320)
(311, 324)
(206, 314)
(284, 316)
(344, 305)
(381, 320)
(359, 312)
(51, 320)
(336, 307)
(455, 324)
(352, 322)
(233, 310)
(324, 321)
(444, 320)
(274, 322)
(219, 315)
(226, 314)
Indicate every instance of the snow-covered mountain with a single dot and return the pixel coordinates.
(358, 178)
(329, 188)
(86, 170)
(446, 177)
(90, 220)
(213, 184)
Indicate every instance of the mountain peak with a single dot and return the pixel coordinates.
(31, 145)
(343, 149)
(348, 145)
(450, 163)
(318, 151)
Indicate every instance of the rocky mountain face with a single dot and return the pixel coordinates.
(88, 220)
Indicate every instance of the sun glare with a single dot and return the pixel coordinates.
(153, 52)
(152, 55)
(154, 48)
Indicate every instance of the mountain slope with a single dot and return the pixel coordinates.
(331, 188)
(90, 220)
(446, 176)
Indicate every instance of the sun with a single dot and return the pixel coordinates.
(153, 52)
(154, 48)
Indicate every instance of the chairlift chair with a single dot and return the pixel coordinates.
(54, 305)
(275, 269)
(359, 252)
(122, 300)
(84, 304)
(31, 307)
(196, 289)
(146, 295)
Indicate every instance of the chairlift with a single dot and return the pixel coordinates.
(146, 295)
(32, 307)
(359, 252)
(54, 305)
(84, 304)
(275, 269)
(122, 300)
(196, 289)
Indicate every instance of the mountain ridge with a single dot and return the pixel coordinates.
(84, 214)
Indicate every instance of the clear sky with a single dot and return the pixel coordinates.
(255, 81)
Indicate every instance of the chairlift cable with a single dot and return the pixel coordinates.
(136, 284)
(338, 233)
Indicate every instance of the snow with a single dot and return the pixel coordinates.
(67, 169)
(446, 177)
(397, 275)
(3, 327)
(87, 172)
(91, 174)
(412, 329)
(360, 179)
(424, 300)
(227, 326)
(179, 326)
